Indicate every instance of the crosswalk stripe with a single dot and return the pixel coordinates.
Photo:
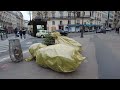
(3, 51)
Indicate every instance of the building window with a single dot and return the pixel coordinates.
(91, 13)
(84, 13)
(69, 14)
(78, 21)
(53, 14)
(61, 14)
(53, 22)
(69, 21)
(46, 14)
(60, 22)
(78, 14)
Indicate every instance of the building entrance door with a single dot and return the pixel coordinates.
(61, 27)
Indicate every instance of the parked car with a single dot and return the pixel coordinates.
(108, 29)
(101, 31)
(92, 30)
(42, 33)
(62, 32)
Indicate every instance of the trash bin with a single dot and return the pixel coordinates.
(15, 50)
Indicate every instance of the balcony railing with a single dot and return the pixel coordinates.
(68, 17)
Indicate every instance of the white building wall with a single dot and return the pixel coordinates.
(65, 13)
(72, 21)
(100, 15)
(57, 14)
(87, 13)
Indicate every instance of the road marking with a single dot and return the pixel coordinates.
(5, 59)
(8, 57)
(85, 61)
(3, 51)
(29, 43)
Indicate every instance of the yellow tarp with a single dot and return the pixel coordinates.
(33, 48)
(59, 57)
(65, 40)
(64, 56)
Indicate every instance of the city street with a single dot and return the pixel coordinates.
(101, 52)
(96, 31)
(107, 55)
(25, 43)
(107, 49)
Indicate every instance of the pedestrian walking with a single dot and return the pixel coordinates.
(117, 30)
(20, 32)
(24, 33)
(30, 33)
(16, 31)
(6, 32)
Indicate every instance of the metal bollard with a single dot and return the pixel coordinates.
(15, 50)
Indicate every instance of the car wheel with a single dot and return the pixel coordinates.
(42, 36)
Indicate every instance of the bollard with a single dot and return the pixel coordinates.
(15, 50)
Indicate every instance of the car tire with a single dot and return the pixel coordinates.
(42, 36)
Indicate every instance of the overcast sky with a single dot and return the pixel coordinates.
(25, 15)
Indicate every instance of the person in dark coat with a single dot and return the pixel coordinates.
(20, 32)
(24, 33)
(117, 30)
(6, 32)
(16, 31)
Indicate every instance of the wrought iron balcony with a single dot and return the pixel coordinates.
(64, 17)
(69, 17)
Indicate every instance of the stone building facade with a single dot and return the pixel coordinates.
(11, 20)
(73, 20)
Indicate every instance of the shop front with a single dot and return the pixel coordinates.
(61, 27)
(38, 23)
(87, 27)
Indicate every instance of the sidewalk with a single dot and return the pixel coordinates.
(30, 70)
(4, 46)
(13, 37)
(5, 43)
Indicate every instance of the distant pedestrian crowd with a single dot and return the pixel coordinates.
(20, 33)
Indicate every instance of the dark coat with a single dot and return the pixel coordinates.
(16, 30)
(20, 32)
(24, 32)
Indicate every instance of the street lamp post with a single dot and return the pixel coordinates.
(82, 24)
(108, 19)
